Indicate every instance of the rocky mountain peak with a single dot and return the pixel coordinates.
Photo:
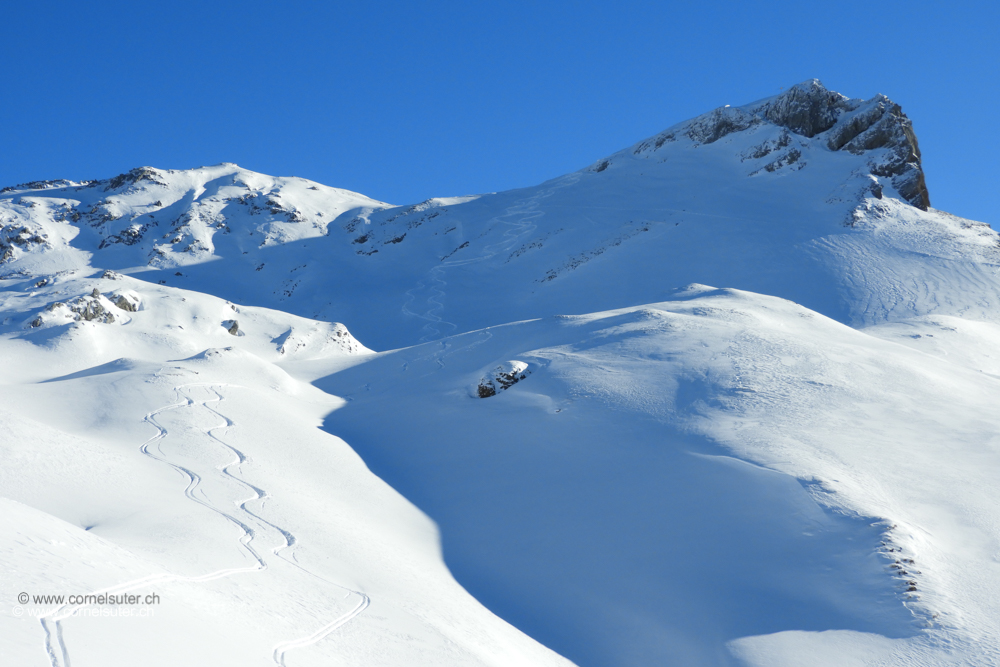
(857, 126)
(807, 108)
(876, 127)
(137, 175)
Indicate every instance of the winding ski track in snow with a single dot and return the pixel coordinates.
(254, 528)
(520, 220)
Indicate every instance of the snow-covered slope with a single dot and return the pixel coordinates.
(168, 218)
(793, 196)
(161, 451)
(611, 503)
(793, 466)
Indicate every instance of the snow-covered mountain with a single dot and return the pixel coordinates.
(793, 466)
(792, 196)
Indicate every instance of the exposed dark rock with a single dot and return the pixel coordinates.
(714, 125)
(126, 303)
(20, 236)
(857, 126)
(353, 224)
(789, 158)
(91, 309)
(768, 147)
(882, 124)
(128, 236)
(503, 377)
(38, 185)
(86, 308)
(464, 245)
(807, 108)
(132, 177)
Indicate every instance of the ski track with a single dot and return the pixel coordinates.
(524, 213)
(55, 645)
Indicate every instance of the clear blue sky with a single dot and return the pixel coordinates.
(404, 101)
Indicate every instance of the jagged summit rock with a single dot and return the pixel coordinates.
(835, 121)
(856, 126)
(137, 175)
(807, 108)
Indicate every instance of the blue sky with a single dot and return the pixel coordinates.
(404, 101)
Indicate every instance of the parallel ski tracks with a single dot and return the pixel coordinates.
(253, 526)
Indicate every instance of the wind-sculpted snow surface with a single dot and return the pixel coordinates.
(611, 503)
(628, 467)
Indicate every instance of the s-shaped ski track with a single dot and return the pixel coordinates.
(55, 645)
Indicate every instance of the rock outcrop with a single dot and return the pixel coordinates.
(856, 126)
(91, 308)
(128, 302)
(503, 377)
(877, 127)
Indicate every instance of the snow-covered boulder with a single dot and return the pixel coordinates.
(92, 308)
(503, 377)
(129, 301)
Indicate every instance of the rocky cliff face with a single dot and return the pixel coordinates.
(856, 126)
(877, 127)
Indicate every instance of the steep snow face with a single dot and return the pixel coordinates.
(784, 196)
